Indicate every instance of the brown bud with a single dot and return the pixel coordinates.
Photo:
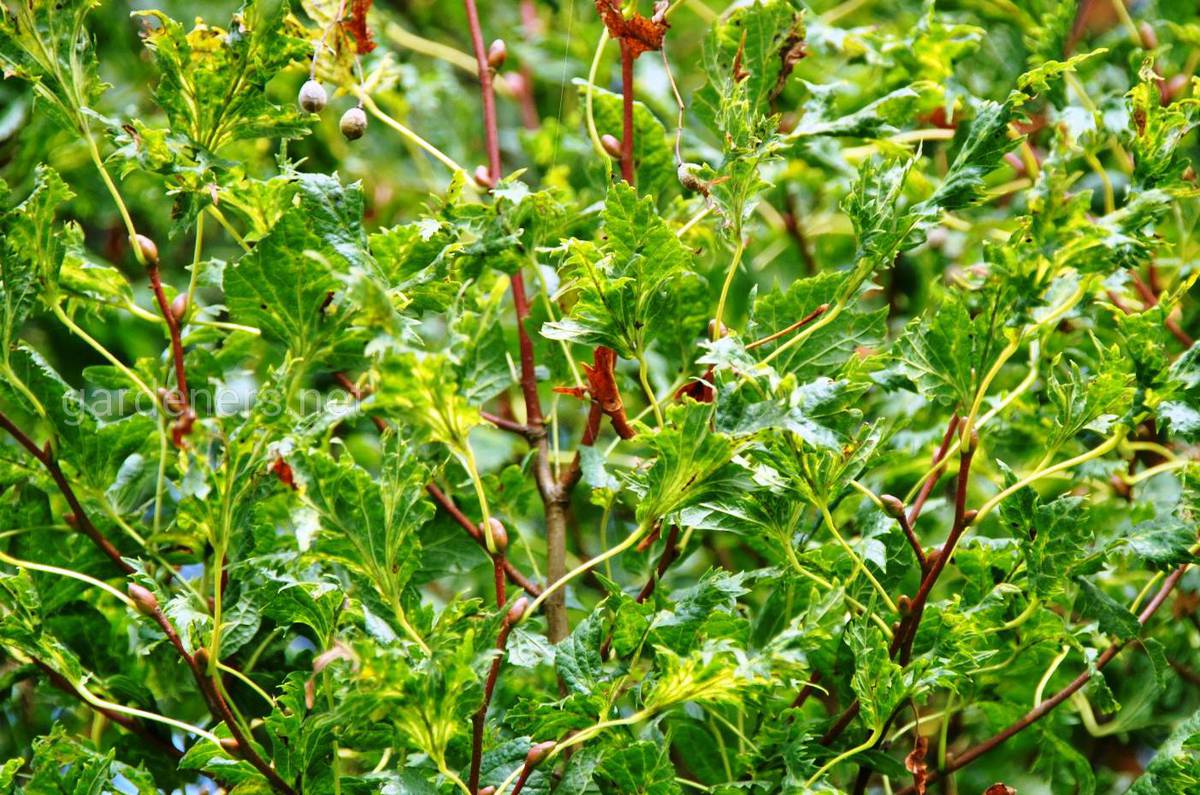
(201, 658)
(1148, 36)
(499, 534)
(712, 324)
(497, 54)
(230, 745)
(892, 506)
(488, 790)
(148, 249)
(969, 517)
(353, 124)
(517, 610)
(538, 753)
(904, 605)
(970, 443)
(179, 307)
(143, 599)
(611, 144)
(483, 178)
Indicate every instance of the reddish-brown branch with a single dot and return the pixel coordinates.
(490, 131)
(172, 326)
(627, 56)
(79, 517)
(440, 497)
(914, 512)
(500, 577)
(809, 687)
(477, 720)
(799, 324)
(959, 761)
(198, 664)
(895, 509)
(603, 391)
(505, 424)
(125, 721)
(514, 575)
(905, 634)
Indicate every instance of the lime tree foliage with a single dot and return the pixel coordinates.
(616, 398)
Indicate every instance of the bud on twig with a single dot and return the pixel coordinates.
(483, 178)
(179, 307)
(497, 54)
(892, 506)
(201, 658)
(499, 534)
(969, 517)
(538, 753)
(904, 605)
(143, 598)
(611, 144)
(230, 745)
(148, 249)
(517, 610)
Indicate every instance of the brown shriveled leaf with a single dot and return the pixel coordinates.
(915, 764)
(639, 33)
(355, 24)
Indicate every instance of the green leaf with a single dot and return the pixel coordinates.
(212, 81)
(1113, 617)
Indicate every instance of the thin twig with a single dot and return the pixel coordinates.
(799, 324)
(514, 575)
(627, 56)
(477, 720)
(79, 518)
(125, 721)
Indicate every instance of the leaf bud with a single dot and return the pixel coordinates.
(538, 753)
(499, 534)
(230, 745)
(483, 178)
(148, 249)
(904, 605)
(143, 599)
(611, 144)
(353, 124)
(497, 54)
(517, 610)
(892, 506)
(179, 307)
(312, 96)
(969, 517)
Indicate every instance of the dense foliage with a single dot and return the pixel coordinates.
(778, 397)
